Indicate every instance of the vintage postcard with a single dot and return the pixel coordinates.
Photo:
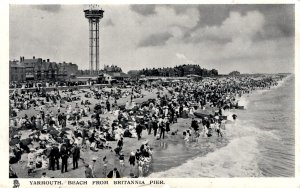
(149, 95)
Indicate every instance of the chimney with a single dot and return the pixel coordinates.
(21, 58)
(33, 57)
(48, 60)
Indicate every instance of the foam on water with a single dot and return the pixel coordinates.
(243, 101)
(234, 160)
(237, 159)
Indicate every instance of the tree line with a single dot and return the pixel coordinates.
(177, 71)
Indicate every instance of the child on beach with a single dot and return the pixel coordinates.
(132, 161)
(31, 161)
(105, 162)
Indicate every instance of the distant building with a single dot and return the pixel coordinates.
(38, 69)
(119, 76)
(111, 77)
(66, 70)
(16, 72)
(112, 68)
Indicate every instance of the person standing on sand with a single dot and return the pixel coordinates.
(139, 130)
(64, 158)
(52, 156)
(108, 106)
(76, 155)
(122, 164)
(56, 154)
(150, 125)
(167, 123)
(105, 162)
(132, 160)
(94, 159)
(120, 142)
(154, 126)
(162, 127)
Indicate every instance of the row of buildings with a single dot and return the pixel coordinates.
(38, 69)
(108, 75)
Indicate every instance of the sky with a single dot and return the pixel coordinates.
(246, 38)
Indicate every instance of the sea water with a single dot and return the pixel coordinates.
(260, 143)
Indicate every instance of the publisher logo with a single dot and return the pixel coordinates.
(16, 184)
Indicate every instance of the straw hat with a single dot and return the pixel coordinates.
(16, 136)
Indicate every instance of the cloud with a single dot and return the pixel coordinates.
(235, 26)
(184, 58)
(144, 10)
(247, 38)
(180, 56)
(48, 8)
(109, 23)
(159, 39)
(166, 24)
(279, 18)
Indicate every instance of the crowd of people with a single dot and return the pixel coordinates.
(55, 128)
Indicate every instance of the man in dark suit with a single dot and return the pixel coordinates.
(64, 152)
(54, 157)
(51, 158)
(139, 130)
(162, 127)
(114, 174)
(76, 155)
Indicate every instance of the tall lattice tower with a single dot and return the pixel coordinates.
(94, 14)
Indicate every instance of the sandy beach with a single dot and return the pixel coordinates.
(130, 144)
